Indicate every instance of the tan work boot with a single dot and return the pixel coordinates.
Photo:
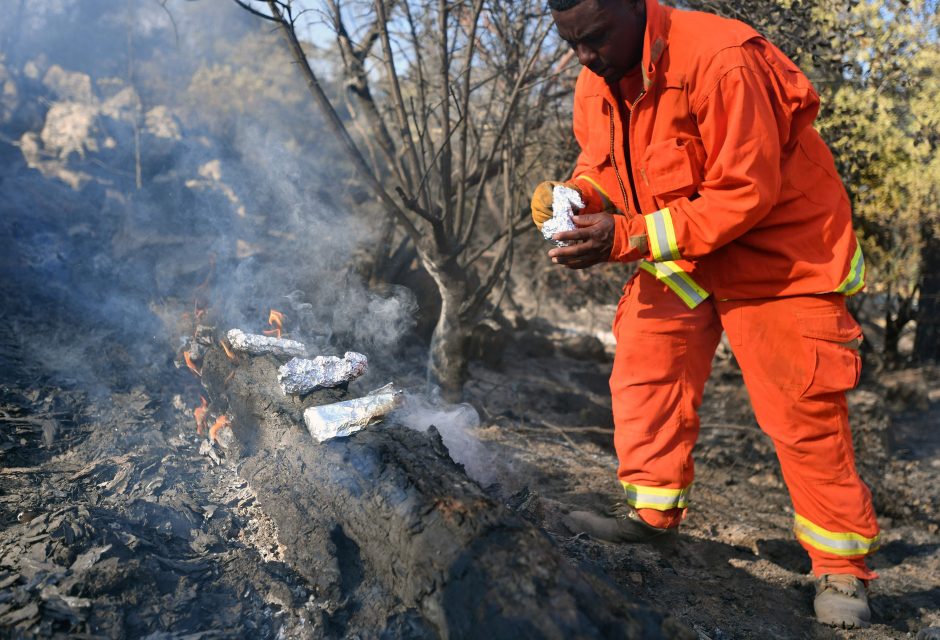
(626, 528)
(842, 601)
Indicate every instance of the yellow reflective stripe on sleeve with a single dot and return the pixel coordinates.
(840, 544)
(608, 204)
(658, 498)
(662, 236)
(672, 275)
(856, 278)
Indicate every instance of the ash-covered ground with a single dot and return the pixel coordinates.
(112, 524)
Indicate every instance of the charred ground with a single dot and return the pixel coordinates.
(113, 524)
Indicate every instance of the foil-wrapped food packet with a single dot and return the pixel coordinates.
(340, 419)
(564, 202)
(302, 375)
(257, 345)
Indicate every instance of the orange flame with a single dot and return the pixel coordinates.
(228, 352)
(199, 413)
(220, 423)
(189, 363)
(199, 312)
(276, 320)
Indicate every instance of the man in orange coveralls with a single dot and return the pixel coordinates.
(699, 160)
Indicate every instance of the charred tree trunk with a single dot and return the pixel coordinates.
(448, 353)
(927, 338)
(384, 521)
(899, 311)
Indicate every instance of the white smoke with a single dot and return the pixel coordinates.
(456, 424)
(240, 192)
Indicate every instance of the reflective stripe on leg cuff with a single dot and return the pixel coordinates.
(838, 543)
(672, 275)
(659, 498)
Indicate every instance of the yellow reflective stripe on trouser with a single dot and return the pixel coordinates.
(840, 544)
(604, 197)
(658, 498)
(856, 278)
(662, 235)
(672, 275)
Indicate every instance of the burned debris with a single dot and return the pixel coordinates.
(103, 543)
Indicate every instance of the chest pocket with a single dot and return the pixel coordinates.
(595, 147)
(674, 168)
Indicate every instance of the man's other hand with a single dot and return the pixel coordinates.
(591, 242)
(542, 200)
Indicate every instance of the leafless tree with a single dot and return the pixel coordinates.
(443, 115)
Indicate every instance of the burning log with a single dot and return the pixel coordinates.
(327, 421)
(384, 520)
(256, 345)
(301, 376)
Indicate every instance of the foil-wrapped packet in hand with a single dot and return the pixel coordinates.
(339, 419)
(564, 202)
(302, 375)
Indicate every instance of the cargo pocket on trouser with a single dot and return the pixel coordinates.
(831, 342)
(810, 424)
(834, 517)
(646, 382)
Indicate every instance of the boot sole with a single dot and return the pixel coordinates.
(844, 624)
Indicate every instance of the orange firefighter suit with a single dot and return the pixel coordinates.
(710, 153)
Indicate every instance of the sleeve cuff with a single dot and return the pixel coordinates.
(631, 242)
(595, 198)
(662, 236)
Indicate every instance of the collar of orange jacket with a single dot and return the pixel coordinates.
(654, 43)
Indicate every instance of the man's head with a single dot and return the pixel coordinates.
(606, 35)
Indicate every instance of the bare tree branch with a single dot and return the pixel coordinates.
(245, 4)
(460, 205)
(333, 119)
(449, 113)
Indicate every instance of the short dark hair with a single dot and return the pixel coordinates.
(562, 5)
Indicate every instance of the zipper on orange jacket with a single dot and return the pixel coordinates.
(613, 158)
(636, 198)
(613, 161)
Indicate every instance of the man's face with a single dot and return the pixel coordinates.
(606, 35)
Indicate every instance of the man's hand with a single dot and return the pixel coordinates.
(542, 200)
(591, 242)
